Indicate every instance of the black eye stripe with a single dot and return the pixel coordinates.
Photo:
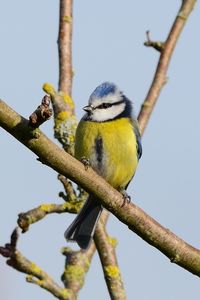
(107, 105)
(104, 105)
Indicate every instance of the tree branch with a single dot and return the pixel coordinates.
(35, 274)
(73, 204)
(41, 114)
(78, 263)
(165, 56)
(65, 121)
(65, 46)
(106, 250)
(36, 214)
(135, 218)
(76, 266)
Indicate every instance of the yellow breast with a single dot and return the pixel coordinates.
(111, 148)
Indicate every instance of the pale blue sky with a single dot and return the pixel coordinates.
(108, 45)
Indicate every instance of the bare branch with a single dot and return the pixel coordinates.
(63, 105)
(160, 75)
(65, 46)
(106, 250)
(70, 192)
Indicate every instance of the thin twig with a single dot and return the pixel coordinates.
(165, 56)
(72, 204)
(69, 190)
(36, 214)
(158, 45)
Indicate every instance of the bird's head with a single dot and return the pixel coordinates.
(106, 103)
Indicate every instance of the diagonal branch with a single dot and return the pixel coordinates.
(165, 56)
(135, 218)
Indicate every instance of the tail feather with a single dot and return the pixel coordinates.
(82, 228)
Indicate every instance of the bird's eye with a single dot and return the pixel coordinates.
(104, 105)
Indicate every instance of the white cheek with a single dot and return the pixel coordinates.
(110, 113)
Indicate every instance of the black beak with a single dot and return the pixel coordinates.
(88, 108)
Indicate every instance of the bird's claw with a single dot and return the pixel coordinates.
(86, 162)
(126, 198)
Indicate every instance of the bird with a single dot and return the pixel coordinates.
(108, 136)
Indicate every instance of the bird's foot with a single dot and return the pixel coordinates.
(126, 198)
(86, 162)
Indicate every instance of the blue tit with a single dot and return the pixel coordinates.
(107, 135)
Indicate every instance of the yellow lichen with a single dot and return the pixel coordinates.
(68, 100)
(65, 293)
(112, 241)
(71, 139)
(182, 16)
(74, 273)
(112, 272)
(62, 116)
(34, 268)
(67, 19)
(46, 207)
(64, 130)
(49, 89)
(146, 104)
(86, 262)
